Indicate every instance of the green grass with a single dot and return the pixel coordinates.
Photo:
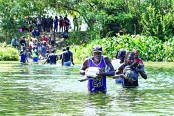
(159, 64)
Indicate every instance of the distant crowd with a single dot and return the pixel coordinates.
(38, 41)
(46, 24)
(42, 46)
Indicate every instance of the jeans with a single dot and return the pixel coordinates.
(68, 63)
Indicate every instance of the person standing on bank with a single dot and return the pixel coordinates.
(23, 42)
(102, 62)
(67, 57)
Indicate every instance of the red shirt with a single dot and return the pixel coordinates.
(30, 47)
(44, 38)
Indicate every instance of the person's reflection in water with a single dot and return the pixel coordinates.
(97, 104)
(131, 99)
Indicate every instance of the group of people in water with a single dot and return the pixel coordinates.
(51, 57)
(131, 66)
(127, 73)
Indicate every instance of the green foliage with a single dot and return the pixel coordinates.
(14, 13)
(8, 53)
(77, 38)
(157, 24)
(104, 19)
(154, 17)
(150, 48)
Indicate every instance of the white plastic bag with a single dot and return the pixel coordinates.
(92, 71)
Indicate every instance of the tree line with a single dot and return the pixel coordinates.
(103, 17)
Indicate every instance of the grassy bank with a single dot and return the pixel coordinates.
(160, 64)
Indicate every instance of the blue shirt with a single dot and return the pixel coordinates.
(52, 58)
(23, 56)
(67, 56)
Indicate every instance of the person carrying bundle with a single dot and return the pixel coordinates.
(130, 71)
(105, 68)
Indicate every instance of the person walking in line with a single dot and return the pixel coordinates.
(129, 71)
(67, 57)
(35, 55)
(105, 67)
(60, 24)
(52, 57)
(23, 55)
(23, 42)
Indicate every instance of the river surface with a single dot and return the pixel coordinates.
(53, 90)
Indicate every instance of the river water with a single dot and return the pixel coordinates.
(53, 90)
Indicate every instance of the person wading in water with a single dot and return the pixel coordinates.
(106, 69)
(67, 57)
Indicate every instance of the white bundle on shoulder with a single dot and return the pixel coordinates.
(92, 71)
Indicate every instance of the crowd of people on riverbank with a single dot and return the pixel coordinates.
(46, 24)
(59, 24)
(39, 46)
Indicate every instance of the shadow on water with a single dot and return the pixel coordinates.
(38, 89)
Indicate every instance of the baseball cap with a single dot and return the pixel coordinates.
(97, 48)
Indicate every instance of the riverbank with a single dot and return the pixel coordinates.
(159, 64)
(147, 64)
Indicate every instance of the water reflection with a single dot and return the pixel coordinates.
(96, 104)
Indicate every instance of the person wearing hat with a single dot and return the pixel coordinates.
(67, 57)
(106, 69)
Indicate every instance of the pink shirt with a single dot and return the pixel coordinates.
(139, 60)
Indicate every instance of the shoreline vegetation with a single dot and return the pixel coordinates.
(159, 64)
(146, 26)
(150, 48)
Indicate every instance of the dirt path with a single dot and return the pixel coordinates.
(59, 40)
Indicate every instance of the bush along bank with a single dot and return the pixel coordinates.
(8, 53)
(150, 48)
